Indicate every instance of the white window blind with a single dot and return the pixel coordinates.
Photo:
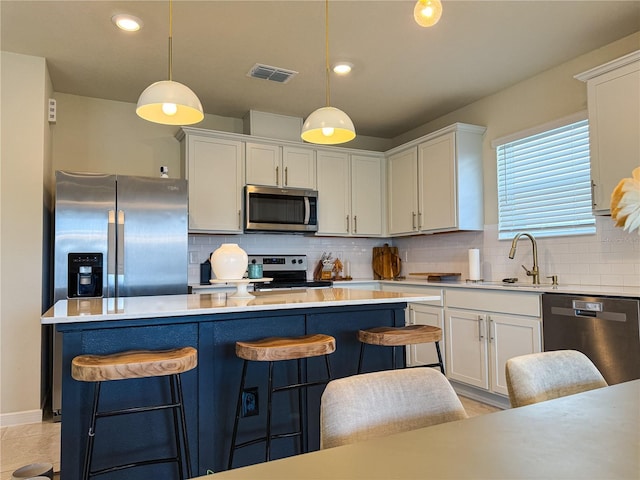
(544, 183)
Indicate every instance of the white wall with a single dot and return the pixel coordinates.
(25, 87)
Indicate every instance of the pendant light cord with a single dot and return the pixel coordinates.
(326, 44)
(170, 40)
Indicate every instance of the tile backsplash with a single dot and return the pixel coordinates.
(610, 257)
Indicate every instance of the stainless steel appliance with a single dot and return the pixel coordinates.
(605, 329)
(287, 271)
(271, 209)
(117, 236)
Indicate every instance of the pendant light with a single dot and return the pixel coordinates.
(427, 12)
(328, 125)
(169, 102)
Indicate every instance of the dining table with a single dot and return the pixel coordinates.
(589, 435)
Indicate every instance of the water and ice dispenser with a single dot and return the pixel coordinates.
(84, 275)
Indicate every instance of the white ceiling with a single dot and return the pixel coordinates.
(404, 75)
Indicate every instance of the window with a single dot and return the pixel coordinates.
(544, 181)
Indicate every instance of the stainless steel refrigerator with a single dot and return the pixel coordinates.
(117, 236)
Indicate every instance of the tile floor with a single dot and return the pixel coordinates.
(40, 442)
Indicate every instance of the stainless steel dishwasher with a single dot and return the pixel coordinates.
(603, 328)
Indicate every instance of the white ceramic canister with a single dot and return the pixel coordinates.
(229, 262)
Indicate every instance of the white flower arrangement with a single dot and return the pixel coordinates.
(625, 202)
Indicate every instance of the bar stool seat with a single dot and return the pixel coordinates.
(138, 364)
(276, 349)
(400, 337)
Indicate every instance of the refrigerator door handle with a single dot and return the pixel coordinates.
(120, 254)
(111, 253)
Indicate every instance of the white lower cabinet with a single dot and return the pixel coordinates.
(428, 313)
(424, 353)
(484, 329)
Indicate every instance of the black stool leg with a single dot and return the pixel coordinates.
(301, 440)
(88, 454)
(440, 357)
(176, 426)
(238, 411)
(178, 400)
(361, 357)
(269, 400)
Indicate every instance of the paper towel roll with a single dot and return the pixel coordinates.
(474, 264)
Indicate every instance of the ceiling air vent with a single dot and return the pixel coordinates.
(267, 72)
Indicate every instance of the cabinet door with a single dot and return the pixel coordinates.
(215, 184)
(263, 164)
(510, 336)
(424, 353)
(437, 205)
(403, 192)
(367, 200)
(614, 123)
(333, 193)
(299, 167)
(466, 347)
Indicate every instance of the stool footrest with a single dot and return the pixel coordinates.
(124, 411)
(264, 439)
(141, 463)
(300, 385)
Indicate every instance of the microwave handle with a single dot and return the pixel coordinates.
(307, 210)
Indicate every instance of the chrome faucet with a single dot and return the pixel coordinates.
(534, 272)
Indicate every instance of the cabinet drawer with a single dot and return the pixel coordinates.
(517, 303)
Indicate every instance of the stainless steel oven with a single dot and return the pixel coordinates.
(287, 271)
(272, 209)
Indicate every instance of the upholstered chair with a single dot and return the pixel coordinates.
(543, 376)
(376, 404)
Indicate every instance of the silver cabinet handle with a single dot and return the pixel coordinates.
(286, 176)
(419, 220)
(413, 222)
(480, 329)
(240, 219)
(492, 329)
(347, 229)
(355, 224)
(277, 175)
(593, 194)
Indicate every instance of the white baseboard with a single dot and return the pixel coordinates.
(480, 395)
(20, 418)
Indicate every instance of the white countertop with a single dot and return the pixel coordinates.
(594, 290)
(618, 291)
(100, 309)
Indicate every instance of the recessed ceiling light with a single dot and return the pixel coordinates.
(342, 68)
(128, 23)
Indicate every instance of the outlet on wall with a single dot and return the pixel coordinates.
(250, 402)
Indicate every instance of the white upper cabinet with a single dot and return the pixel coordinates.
(214, 168)
(613, 96)
(280, 166)
(403, 192)
(436, 182)
(350, 194)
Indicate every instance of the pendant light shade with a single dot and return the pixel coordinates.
(169, 102)
(427, 12)
(328, 125)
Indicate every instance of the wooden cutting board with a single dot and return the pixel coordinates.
(385, 262)
(437, 276)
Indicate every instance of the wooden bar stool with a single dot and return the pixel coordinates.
(272, 350)
(138, 364)
(401, 337)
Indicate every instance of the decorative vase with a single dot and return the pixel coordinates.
(229, 262)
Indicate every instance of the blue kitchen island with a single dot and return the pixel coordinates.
(211, 323)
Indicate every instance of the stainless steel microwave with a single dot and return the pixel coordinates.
(273, 209)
